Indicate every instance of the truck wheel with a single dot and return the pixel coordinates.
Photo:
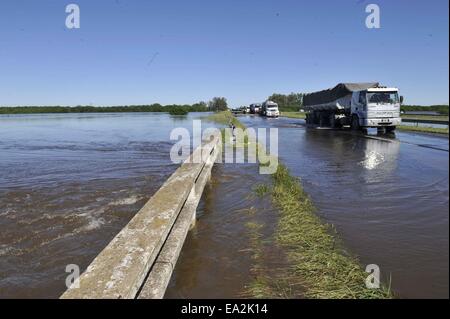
(390, 129)
(332, 120)
(381, 130)
(355, 123)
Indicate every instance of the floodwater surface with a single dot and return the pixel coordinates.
(68, 184)
(387, 196)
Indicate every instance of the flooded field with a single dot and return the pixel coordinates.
(68, 184)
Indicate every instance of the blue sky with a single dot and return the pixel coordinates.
(142, 52)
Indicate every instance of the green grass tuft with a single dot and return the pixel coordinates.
(325, 269)
(261, 190)
(294, 115)
(423, 129)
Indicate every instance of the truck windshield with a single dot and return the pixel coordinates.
(382, 97)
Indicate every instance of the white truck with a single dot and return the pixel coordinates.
(269, 109)
(358, 105)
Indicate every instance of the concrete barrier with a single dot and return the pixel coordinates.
(139, 261)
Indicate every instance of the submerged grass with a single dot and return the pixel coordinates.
(261, 189)
(316, 260)
(325, 269)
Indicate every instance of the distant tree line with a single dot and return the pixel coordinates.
(288, 102)
(441, 109)
(218, 104)
(173, 109)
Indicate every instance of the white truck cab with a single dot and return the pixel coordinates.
(270, 109)
(376, 107)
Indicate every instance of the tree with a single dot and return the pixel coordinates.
(200, 106)
(291, 101)
(218, 104)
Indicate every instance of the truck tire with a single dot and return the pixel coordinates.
(355, 123)
(308, 119)
(381, 130)
(332, 120)
(390, 129)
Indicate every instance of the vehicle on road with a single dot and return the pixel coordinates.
(269, 109)
(255, 108)
(358, 105)
(244, 109)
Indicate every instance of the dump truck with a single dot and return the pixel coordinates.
(358, 105)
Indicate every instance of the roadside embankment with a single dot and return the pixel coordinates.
(317, 265)
(293, 115)
(423, 129)
(318, 259)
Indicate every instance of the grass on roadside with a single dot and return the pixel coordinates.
(225, 118)
(261, 190)
(425, 117)
(294, 115)
(423, 129)
(318, 259)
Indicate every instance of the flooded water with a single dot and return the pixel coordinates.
(68, 184)
(387, 197)
(217, 260)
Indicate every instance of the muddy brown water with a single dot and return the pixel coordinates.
(217, 257)
(387, 196)
(69, 183)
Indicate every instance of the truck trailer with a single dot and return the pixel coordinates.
(358, 105)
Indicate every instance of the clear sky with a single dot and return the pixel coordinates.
(141, 51)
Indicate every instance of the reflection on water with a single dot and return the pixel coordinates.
(378, 153)
(387, 197)
(68, 184)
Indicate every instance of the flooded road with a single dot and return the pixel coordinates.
(217, 259)
(387, 197)
(68, 184)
